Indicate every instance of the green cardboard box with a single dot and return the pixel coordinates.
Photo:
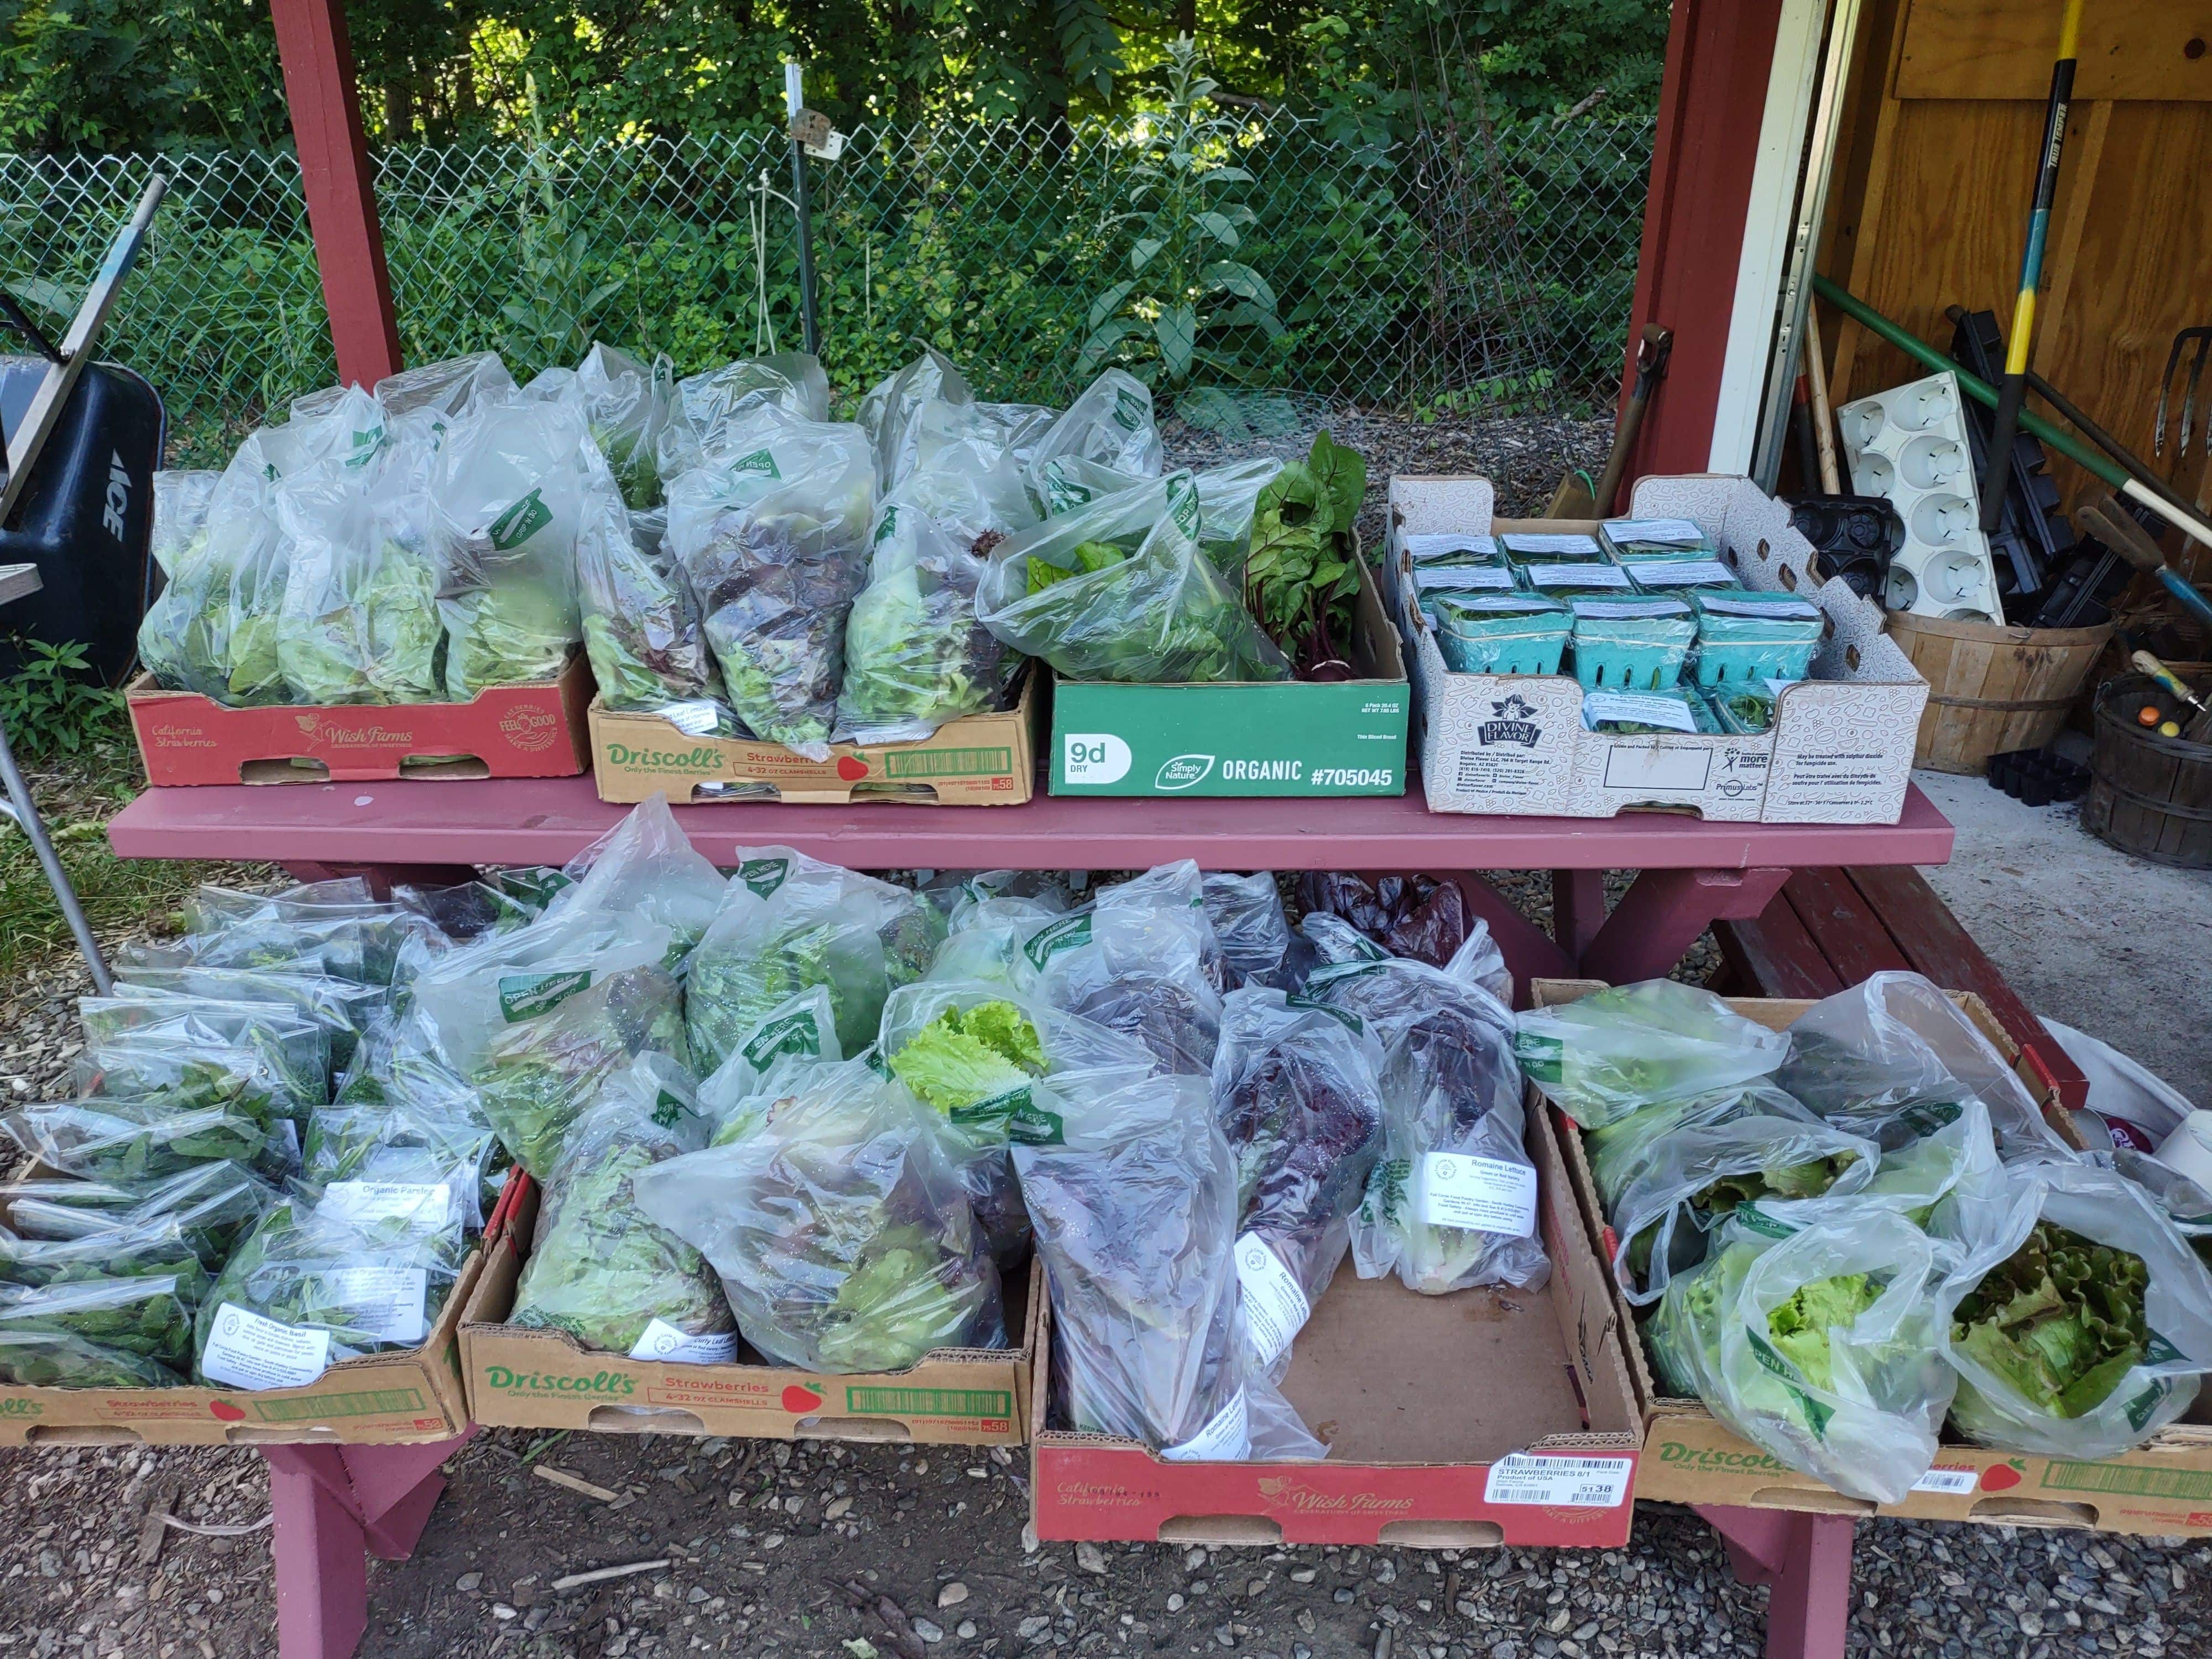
(1292, 738)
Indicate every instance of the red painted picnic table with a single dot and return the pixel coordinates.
(1690, 874)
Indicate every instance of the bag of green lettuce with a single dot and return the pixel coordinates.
(1607, 1054)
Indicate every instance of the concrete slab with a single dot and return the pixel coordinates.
(2117, 947)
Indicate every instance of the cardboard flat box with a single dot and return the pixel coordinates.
(1488, 1416)
(539, 1379)
(503, 731)
(1840, 748)
(2163, 1487)
(1284, 738)
(377, 1400)
(980, 760)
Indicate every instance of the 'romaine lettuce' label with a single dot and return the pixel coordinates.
(678, 1346)
(1475, 1195)
(1275, 1305)
(1227, 1438)
(525, 996)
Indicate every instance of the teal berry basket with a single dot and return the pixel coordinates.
(1744, 709)
(1500, 633)
(1744, 637)
(1632, 645)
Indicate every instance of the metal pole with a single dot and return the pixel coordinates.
(794, 100)
(25, 815)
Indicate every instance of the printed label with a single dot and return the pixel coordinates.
(797, 1033)
(1096, 758)
(763, 876)
(760, 461)
(1952, 1483)
(1275, 1305)
(663, 1340)
(1577, 575)
(1226, 1439)
(525, 996)
(1030, 1125)
(1579, 1483)
(1437, 544)
(1544, 1058)
(670, 1109)
(1611, 607)
(1461, 578)
(1050, 940)
(1666, 533)
(1684, 573)
(245, 1350)
(1550, 543)
(520, 522)
(1476, 1194)
(1643, 707)
(389, 1304)
(695, 718)
(364, 1204)
(1776, 606)
(1182, 504)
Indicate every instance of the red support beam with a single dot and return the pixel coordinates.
(318, 86)
(1719, 54)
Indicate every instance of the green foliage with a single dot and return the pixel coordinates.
(1301, 576)
(1189, 302)
(52, 705)
(2061, 1320)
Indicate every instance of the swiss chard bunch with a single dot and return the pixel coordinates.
(1302, 575)
(2061, 1319)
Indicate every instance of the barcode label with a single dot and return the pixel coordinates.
(1952, 1483)
(1581, 1483)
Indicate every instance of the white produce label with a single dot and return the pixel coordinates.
(1777, 607)
(1476, 1194)
(1434, 545)
(364, 1204)
(1577, 575)
(1684, 572)
(1952, 1483)
(1226, 1439)
(1642, 706)
(1672, 532)
(1550, 542)
(1614, 609)
(695, 718)
(389, 1304)
(1581, 1483)
(1275, 1305)
(663, 1340)
(1461, 578)
(245, 1350)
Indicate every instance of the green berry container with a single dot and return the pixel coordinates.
(1745, 709)
(1632, 644)
(1499, 633)
(1747, 636)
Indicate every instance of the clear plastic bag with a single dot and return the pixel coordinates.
(179, 540)
(123, 1249)
(185, 1053)
(1414, 916)
(1670, 1175)
(646, 866)
(343, 1008)
(642, 628)
(537, 1021)
(399, 1111)
(788, 922)
(1296, 1094)
(57, 1360)
(209, 1204)
(629, 405)
(510, 484)
(1615, 1051)
(1119, 591)
(1110, 424)
(123, 1140)
(1133, 1201)
(1820, 1345)
(1452, 1200)
(844, 1240)
(707, 405)
(1141, 960)
(311, 1286)
(892, 412)
(2085, 1326)
(1248, 918)
(1228, 499)
(772, 534)
(331, 929)
(916, 655)
(446, 388)
(799, 1032)
(1897, 1040)
(148, 1314)
(600, 1267)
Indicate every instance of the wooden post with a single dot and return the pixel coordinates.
(318, 86)
(1719, 56)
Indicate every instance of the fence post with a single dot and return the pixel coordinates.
(334, 171)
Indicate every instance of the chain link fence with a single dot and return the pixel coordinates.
(1450, 272)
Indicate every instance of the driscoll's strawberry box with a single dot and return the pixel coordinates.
(1486, 1416)
(546, 1379)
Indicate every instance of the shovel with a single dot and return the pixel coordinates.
(1574, 499)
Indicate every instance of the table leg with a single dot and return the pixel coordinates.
(331, 1504)
(1578, 909)
(1806, 1562)
(1663, 912)
(1529, 953)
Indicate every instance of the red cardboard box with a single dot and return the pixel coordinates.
(1487, 1417)
(503, 731)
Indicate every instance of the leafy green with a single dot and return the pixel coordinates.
(150, 1314)
(1799, 1327)
(127, 1140)
(62, 1359)
(895, 1305)
(1607, 1054)
(1084, 556)
(915, 651)
(966, 1056)
(510, 633)
(1301, 575)
(2061, 1320)
(361, 630)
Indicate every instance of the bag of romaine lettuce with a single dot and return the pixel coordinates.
(646, 866)
(368, 1267)
(510, 486)
(799, 1031)
(892, 412)
(1110, 425)
(1134, 1201)
(1670, 1175)
(844, 1241)
(706, 405)
(1140, 959)
(2082, 1328)
(600, 1268)
(629, 405)
(986, 942)
(1296, 1094)
(1119, 591)
(1607, 1054)
(1452, 1200)
(788, 922)
(642, 629)
(916, 655)
(1822, 1344)
(1895, 1041)
(537, 1021)
(772, 534)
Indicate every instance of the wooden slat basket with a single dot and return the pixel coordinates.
(1992, 689)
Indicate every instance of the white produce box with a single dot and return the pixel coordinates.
(1840, 748)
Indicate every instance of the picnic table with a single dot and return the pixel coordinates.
(332, 1502)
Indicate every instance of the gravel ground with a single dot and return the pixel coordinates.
(786, 1553)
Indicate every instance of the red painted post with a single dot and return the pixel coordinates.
(1719, 54)
(318, 86)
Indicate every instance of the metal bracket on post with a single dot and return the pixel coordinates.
(795, 103)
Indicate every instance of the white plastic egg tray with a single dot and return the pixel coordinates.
(1909, 446)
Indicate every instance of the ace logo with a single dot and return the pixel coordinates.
(1512, 721)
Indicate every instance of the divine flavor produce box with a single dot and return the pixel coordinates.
(1833, 746)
